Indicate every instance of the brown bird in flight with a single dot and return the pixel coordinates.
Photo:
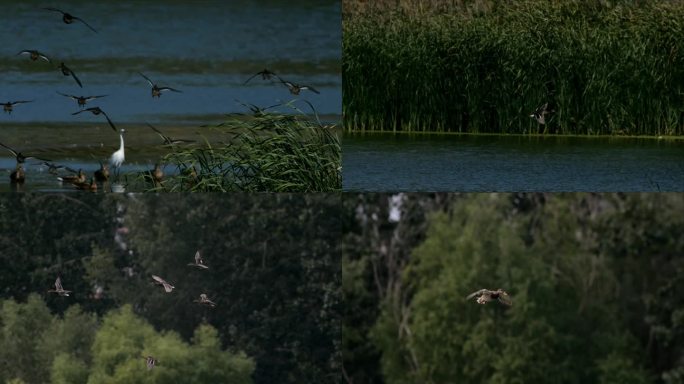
(485, 295)
(59, 289)
(204, 300)
(199, 262)
(159, 281)
(69, 18)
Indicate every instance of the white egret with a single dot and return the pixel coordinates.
(118, 157)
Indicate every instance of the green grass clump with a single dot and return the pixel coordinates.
(264, 153)
(605, 67)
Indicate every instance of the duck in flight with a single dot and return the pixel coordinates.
(81, 100)
(69, 18)
(9, 106)
(53, 168)
(96, 111)
(159, 281)
(20, 157)
(156, 90)
(296, 88)
(59, 289)
(204, 300)
(150, 361)
(199, 262)
(540, 113)
(34, 55)
(167, 139)
(68, 72)
(265, 75)
(485, 295)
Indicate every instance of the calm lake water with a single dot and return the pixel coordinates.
(382, 162)
(206, 49)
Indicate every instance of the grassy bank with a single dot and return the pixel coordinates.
(484, 66)
(264, 153)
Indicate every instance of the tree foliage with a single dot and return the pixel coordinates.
(273, 272)
(593, 278)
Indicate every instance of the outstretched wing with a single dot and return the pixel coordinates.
(158, 279)
(477, 293)
(198, 258)
(310, 88)
(65, 95)
(87, 25)
(14, 153)
(504, 298)
(108, 120)
(162, 89)
(58, 284)
(75, 78)
(147, 78)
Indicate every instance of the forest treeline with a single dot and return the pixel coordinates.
(596, 280)
(484, 66)
(273, 272)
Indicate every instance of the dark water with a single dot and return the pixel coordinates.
(206, 49)
(509, 163)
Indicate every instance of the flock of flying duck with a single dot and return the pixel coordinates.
(78, 178)
(168, 288)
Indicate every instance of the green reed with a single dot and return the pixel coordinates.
(605, 69)
(263, 153)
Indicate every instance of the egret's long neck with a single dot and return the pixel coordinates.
(121, 147)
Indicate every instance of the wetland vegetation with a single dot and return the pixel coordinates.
(484, 66)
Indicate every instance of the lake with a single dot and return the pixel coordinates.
(481, 163)
(205, 49)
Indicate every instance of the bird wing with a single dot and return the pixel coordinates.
(21, 102)
(94, 97)
(165, 138)
(147, 78)
(65, 95)
(310, 88)
(253, 76)
(504, 298)
(42, 56)
(87, 25)
(108, 120)
(14, 153)
(76, 113)
(158, 279)
(541, 109)
(58, 284)
(54, 9)
(25, 51)
(476, 293)
(162, 89)
(75, 78)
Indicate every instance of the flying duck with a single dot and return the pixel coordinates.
(296, 88)
(69, 18)
(59, 289)
(199, 262)
(485, 295)
(204, 300)
(34, 55)
(156, 90)
(81, 100)
(96, 111)
(159, 281)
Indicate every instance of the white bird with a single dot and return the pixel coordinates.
(118, 157)
(159, 281)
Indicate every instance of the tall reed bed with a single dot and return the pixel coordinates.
(264, 153)
(484, 66)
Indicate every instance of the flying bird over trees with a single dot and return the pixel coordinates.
(485, 295)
